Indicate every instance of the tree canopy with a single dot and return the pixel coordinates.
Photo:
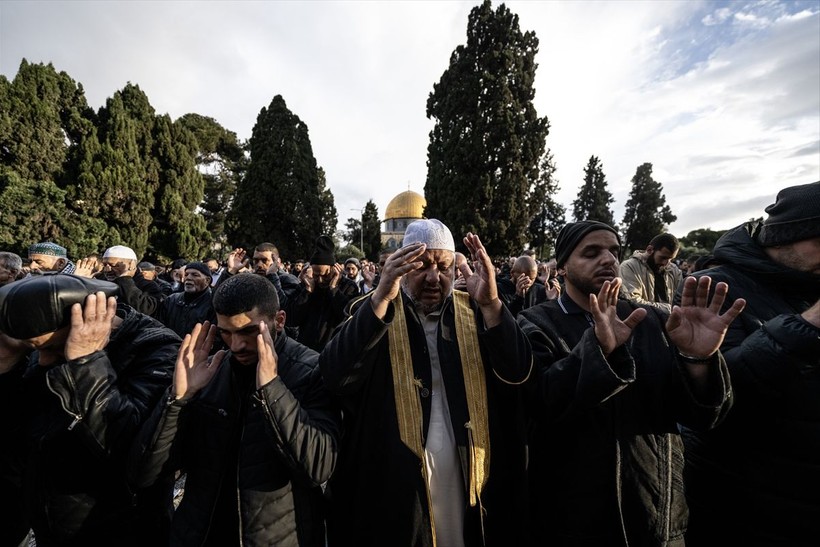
(647, 213)
(594, 198)
(487, 142)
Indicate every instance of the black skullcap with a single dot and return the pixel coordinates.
(794, 216)
(200, 267)
(178, 263)
(323, 255)
(146, 267)
(571, 235)
(42, 304)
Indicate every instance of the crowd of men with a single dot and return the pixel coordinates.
(432, 399)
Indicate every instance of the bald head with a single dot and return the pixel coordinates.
(524, 265)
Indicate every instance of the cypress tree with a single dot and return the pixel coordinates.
(281, 199)
(647, 213)
(372, 231)
(550, 216)
(593, 198)
(176, 229)
(485, 147)
(115, 183)
(222, 162)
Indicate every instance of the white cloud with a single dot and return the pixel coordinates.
(727, 111)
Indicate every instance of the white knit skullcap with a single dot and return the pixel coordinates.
(432, 232)
(120, 251)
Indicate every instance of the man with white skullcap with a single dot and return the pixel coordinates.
(119, 266)
(430, 380)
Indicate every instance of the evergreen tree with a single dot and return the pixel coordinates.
(222, 162)
(281, 199)
(593, 198)
(647, 213)
(117, 177)
(372, 231)
(488, 139)
(30, 211)
(353, 232)
(177, 229)
(327, 207)
(43, 113)
(704, 239)
(550, 217)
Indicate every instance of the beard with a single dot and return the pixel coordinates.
(650, 261)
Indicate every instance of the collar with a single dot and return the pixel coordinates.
(569, 307)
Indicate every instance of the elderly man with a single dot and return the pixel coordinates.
(520, 291)
(755, 479)
(10, 267)
(183, 310)
(71, 410)
(614, 380)
(48, 257)
(430, 380)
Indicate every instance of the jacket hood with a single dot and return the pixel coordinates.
(738, 248)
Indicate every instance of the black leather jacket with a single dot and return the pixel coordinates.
(255, 458)
(73, 429)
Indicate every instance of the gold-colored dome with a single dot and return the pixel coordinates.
(406, 205)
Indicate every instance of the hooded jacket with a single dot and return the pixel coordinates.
(755, 479)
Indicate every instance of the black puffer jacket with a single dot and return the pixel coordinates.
(78, 421)
(255, 459)
(755, 479)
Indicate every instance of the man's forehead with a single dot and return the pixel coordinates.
(263, 254)
(438, 255)
(598, 238)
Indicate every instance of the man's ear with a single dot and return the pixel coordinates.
(279, 320)
(561, 271)
(650, 249)
(61, 262)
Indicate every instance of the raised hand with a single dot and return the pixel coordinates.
(696, 327)
(193, 369)
(267, 368)
(336, 273)
(553, 289)
(522, 285)
(91, 325)
(481, 282)
(87, 267)
(306, 277)
(405, 259)
(236, 260)
(610, 331)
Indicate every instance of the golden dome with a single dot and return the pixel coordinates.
(406, 205)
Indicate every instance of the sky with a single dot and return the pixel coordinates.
(723, 98)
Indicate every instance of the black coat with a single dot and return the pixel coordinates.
(181, 314)
(73, 428)
(378, 491)
(316, 314)
(755, 479)
(606, 457)
(255, 459)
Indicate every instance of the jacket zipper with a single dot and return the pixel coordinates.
(78, 417)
